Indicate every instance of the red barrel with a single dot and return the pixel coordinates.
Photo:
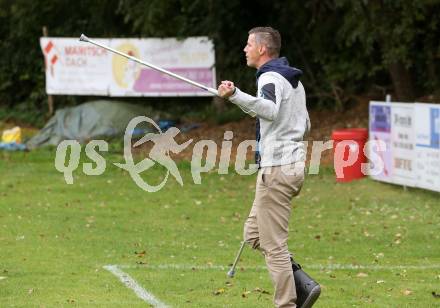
(348, 151)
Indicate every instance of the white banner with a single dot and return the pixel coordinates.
(79, 68)
(427, 146)
(411, 133)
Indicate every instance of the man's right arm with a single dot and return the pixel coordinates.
(265, 107)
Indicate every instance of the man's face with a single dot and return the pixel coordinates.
(252, 51)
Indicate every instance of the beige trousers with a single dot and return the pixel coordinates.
(267, 226)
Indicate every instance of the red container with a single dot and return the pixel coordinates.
(348, 151)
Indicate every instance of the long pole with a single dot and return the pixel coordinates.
(231, 272)
(84, 38)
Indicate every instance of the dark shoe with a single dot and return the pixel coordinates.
(307, 290)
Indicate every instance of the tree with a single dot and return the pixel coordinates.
(392, 32)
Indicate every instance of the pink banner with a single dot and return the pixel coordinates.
(154, 81)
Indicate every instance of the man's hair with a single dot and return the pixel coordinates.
(269, 37)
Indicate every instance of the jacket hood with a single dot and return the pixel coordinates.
(281, 66)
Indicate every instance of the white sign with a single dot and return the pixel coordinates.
(411, 133)
(402, 145)
(427, 146)
(79, 68)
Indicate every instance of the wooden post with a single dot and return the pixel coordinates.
(50, 102)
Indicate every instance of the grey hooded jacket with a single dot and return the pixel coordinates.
(280, 106)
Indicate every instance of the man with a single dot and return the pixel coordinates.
(282, 121)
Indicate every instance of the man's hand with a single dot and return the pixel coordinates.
(226, 89)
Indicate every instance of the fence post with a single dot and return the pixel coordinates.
(50, 101)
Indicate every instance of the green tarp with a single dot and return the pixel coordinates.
(92, 120)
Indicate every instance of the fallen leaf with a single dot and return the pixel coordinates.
(380, 281)
(245, 293)
(407, 292)
(140, 254)
(219, 291)
(257, 289)
(362, 275)
(30, 291)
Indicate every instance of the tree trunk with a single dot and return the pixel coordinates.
(403, 85)
(430, 67)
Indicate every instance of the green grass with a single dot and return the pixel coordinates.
(55, 239)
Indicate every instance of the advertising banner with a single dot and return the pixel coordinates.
(380, 130)
(411, 133)
(427, 146)
(78, 68)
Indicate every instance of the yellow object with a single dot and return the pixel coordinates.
(12, 135)
(126, 72)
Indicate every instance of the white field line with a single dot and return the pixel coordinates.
(132, 284)
(310, 266)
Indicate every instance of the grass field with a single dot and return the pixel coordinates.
(369, 244)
